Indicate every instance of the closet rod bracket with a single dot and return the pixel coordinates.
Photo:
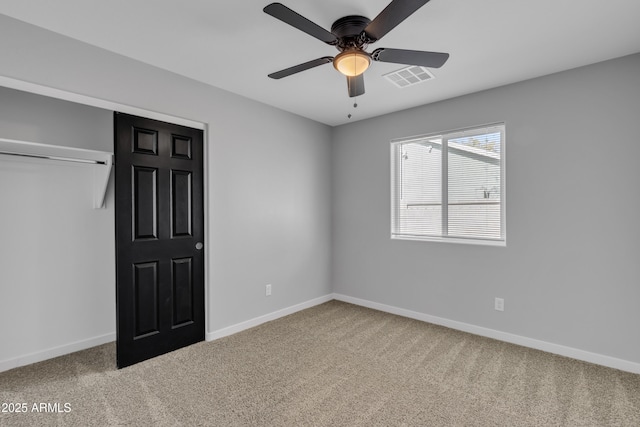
(102, 161)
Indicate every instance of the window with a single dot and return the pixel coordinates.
(449, 187)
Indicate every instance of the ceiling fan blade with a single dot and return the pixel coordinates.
(395, 12)
(355, 85)
(410, 57)
(301, 67)
(286, 15)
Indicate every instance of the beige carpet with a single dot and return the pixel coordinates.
(332, 365)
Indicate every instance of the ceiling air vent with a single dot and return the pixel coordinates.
(409, 76)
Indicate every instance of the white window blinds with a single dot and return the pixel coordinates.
(449, 186)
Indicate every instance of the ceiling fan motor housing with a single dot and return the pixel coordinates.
(349, 31)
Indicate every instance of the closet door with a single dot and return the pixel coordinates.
(159, 237)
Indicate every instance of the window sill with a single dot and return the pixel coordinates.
(458, 240)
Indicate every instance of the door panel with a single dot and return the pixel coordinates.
(145, 285)
(181, 147)
(181, 203)
(159, 221)
(145, 141)
(145, 210)
(182, 291)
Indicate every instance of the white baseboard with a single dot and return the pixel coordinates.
(233, 329)
(574, 353)
(586, 356)
(40, 356)
(50, 353)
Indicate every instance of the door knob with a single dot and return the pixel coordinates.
(199, 245)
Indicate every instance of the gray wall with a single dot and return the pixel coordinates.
(268, 184)
(569, 273)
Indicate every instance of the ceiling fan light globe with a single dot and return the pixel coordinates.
(352, 63)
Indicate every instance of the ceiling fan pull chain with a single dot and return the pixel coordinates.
(355, 105)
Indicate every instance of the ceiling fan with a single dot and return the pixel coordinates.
(351, 35)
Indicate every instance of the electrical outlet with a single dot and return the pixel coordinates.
(268, 290)
(499, 304)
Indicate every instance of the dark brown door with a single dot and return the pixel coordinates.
(159, 238)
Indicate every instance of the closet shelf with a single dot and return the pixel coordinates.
(102, 161)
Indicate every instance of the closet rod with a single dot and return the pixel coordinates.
(64, 159)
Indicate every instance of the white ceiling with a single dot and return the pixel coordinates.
(233, 44)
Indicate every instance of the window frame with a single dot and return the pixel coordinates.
(446, 136)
